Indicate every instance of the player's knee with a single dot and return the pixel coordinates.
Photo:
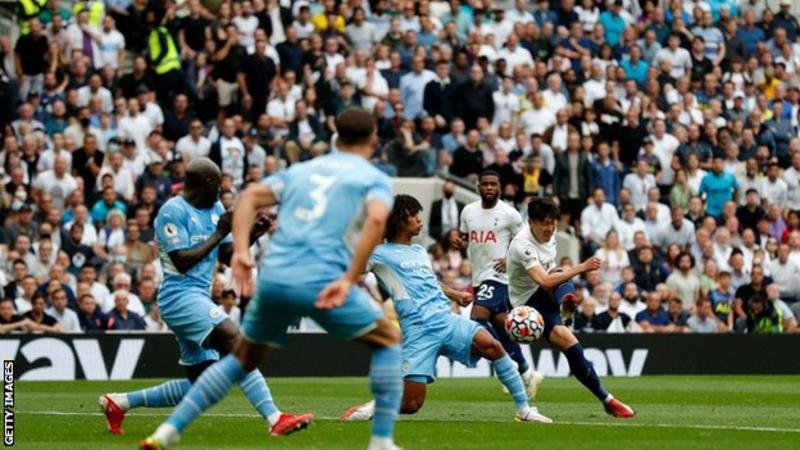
(494, 350)
(411, 405)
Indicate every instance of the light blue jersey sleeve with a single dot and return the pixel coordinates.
(171, 231)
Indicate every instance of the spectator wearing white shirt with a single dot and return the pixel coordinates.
(229, 306)
(56, 149)
(228, 153)
(506, 104)
(639, 183)
(332, 57)
(598, 218)
(792, 178)
(538, 118)
(123, 178)
(775, 189)
(135, 125)
(678, 58)
(613, 258)
(80, 214)
(554, 99)
(664, 147)
(122, 283)
(151, 110)
(95, 89)
(194, 144)
(515, 55)
(153, 321)
(57, 182)
(628, 226)
(678, 230)
(246, 23)
(66, 317)
(281, 111)
(786, 273)
(520, 13)
(595, 87)
(111, 44)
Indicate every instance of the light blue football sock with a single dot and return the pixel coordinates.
(165, 394)
(210, 388)
(256, 390)
(508, 375)
(386, 384)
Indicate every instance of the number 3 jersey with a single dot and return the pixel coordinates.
(322, 211)
(526, 252)
(489, 233)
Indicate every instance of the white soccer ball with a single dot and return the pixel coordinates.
(524, 324)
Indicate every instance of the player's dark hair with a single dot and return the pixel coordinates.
(355, 126)
(405, 206)
(488, 173)
(543, 208)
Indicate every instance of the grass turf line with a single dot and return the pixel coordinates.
(674, 413)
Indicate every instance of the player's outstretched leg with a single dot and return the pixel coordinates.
(582, 369)
(385, 381)
(115, 405)
(484, 345)
(530, 378)
(223, 338)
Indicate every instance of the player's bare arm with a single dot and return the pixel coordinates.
(552, 280)
(254, 198)
(371, 235)
(462, 298)
(185, 259)
(261, 226)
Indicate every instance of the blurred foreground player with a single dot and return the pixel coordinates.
(534, 280)
(430, 328)
(193, 233)
(309, 270)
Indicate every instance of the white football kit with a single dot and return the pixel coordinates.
(524, 253)
(489, 233)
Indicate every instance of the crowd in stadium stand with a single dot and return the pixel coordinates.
(666, 129)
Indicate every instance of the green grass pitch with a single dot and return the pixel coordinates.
(673, 413)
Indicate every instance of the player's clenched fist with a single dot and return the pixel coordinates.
(592, 263)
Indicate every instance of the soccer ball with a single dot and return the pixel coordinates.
(524, 324)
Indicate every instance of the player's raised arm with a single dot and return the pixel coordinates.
(377, 212)
(254, 197)
(462, 298)
(553, 279)
(201, 191)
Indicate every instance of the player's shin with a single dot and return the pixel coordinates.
(387, 389)
(210, 388)
(256, 390)
(506, 372)
(513, 349)
(165, 394)
(584, 371)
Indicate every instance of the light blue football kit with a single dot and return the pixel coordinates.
(184, 298)
(322, 208)
(429, 326)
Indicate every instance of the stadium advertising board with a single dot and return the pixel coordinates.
(126, 356)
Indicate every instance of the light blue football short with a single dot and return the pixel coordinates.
(191, 315)
(448, 335)
(278, 305)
